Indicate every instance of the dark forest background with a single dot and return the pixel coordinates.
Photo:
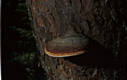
(19, 61)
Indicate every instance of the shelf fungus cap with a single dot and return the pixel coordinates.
(67, 46)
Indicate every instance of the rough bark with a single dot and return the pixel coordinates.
(104, 24)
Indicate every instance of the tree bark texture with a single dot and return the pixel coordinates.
(103, 22)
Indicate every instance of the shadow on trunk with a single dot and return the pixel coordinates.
(96, 55)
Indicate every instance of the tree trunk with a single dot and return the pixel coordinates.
(102, 23)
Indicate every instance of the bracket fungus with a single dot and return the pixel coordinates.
(70, 44)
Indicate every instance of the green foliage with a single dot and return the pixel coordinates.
(21, 7)
(24, 47)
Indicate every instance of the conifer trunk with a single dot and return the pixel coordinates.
(102, 22)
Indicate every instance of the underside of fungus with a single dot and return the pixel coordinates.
(68, 45)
